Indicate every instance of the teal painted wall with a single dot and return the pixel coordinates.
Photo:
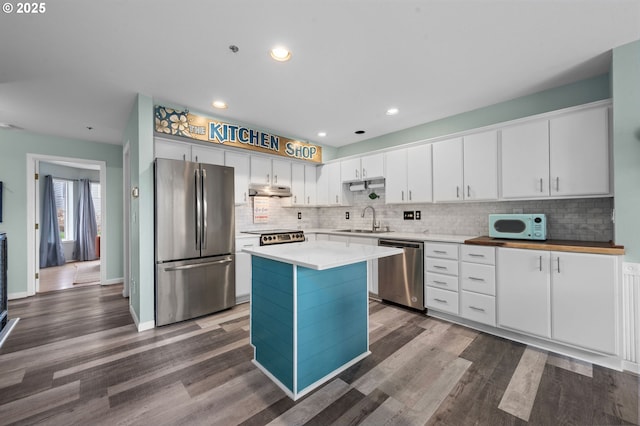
(139, 134)
(14, 147)
(581, 92)
(625, 81)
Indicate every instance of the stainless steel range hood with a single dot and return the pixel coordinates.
(269, 190)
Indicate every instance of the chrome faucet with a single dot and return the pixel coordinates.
(374, 226)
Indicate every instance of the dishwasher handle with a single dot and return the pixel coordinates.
(401, 244)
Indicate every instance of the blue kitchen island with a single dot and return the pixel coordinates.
(309, 310)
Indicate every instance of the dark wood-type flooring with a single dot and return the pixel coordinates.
(76, 358)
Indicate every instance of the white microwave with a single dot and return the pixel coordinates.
(531, 226)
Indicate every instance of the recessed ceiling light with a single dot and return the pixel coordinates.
(392, 111)
(219, 104)
(322, 134)
(5, 125)
(359, 132)
(280, 54)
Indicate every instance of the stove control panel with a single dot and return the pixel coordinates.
(282, 238)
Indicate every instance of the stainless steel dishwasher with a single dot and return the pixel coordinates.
(401, 277)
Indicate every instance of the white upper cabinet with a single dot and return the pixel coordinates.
(297, 184)
(408, 175)
(267, 171)
(579, 154)
(310, 185)
(281, 172)
(201, 154)
(362, 168)
(330, 191)
(322, 185)
(240, 163)
(172, 150)
(481, 166)
(448, 170)
(525, 160)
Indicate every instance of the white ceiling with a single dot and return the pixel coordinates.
(81, 62)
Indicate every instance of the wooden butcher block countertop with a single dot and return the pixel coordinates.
(595, 247)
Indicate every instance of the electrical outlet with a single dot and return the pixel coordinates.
(418, 214)
(346, 215)
(299, 215)
(408, 215)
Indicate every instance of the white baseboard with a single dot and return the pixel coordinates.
(113, 281)
(147, 325)
(20, 295)
(631, 366)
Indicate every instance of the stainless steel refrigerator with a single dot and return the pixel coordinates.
(194, 239)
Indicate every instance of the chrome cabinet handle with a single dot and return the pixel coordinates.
(245, 196)
(364, 172)
(336, 199)
(558, 262)
(441, 301)
(476, 279)
(457, 192)
(440, 251)
(476, 308)
(295, 198)
(540, 184)
(558, 183)
(402, 195)
(184, 157)
(267, 177)
(476, 255)
(468, 191)
(357, 174)
(308, 199)
(439, 267)
(440, 282)
(410, 195)
(540, 263)
(276, 178)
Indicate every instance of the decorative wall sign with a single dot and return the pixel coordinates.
(260, 209)
(185, 124)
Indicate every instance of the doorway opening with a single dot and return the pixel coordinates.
(77, 192)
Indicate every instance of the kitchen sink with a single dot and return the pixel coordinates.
(362, 231)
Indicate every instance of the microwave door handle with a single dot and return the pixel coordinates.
(198, 216)
(203, 192)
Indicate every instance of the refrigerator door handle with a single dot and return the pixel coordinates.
(198, 212)
(203, 193)
(197, 265)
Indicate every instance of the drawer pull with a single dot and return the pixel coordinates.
(441, 301)
(476, 255)
(476, 279)
(439, 267)
(476, 309)
(440, 282)
(440, 251)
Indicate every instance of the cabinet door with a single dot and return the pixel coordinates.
(447, 170)
(350, 170)
(481, 166)
(579, 156)
(172, 150)
(419, 181)
(525, 160)
(523, 287)
(396, 176)
(240, 162)
(201, 154)
(322, 185)
(260, 170)
(297, 184)
(372, 166)
(337, 194)
(281, 172)
(583, 300)
(310, 185)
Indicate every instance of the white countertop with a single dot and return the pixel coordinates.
(321, 255)
(418, 236)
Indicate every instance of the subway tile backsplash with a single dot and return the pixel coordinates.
(585, 219)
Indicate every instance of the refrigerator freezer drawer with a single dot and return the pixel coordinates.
(192, 288)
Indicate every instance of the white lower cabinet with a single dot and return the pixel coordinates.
(569, 298)
(478, 307)
(478, 283)
(441, 277)
(243, 268)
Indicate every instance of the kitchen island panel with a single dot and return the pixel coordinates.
(332, 320)
(272, 317)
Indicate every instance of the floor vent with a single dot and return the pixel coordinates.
(631, 311)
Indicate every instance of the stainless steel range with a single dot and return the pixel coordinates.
(278, 236)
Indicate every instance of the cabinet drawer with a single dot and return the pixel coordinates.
(242, 243)
(444, 250)
(442, 266)
(442, 300)
(478, 254)
(448, 282)
(478, 307)
(478, 278)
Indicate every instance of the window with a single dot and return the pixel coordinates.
(63, 190)
(95, 196)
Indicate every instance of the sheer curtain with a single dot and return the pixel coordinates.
(51, 253)
(86, 227)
